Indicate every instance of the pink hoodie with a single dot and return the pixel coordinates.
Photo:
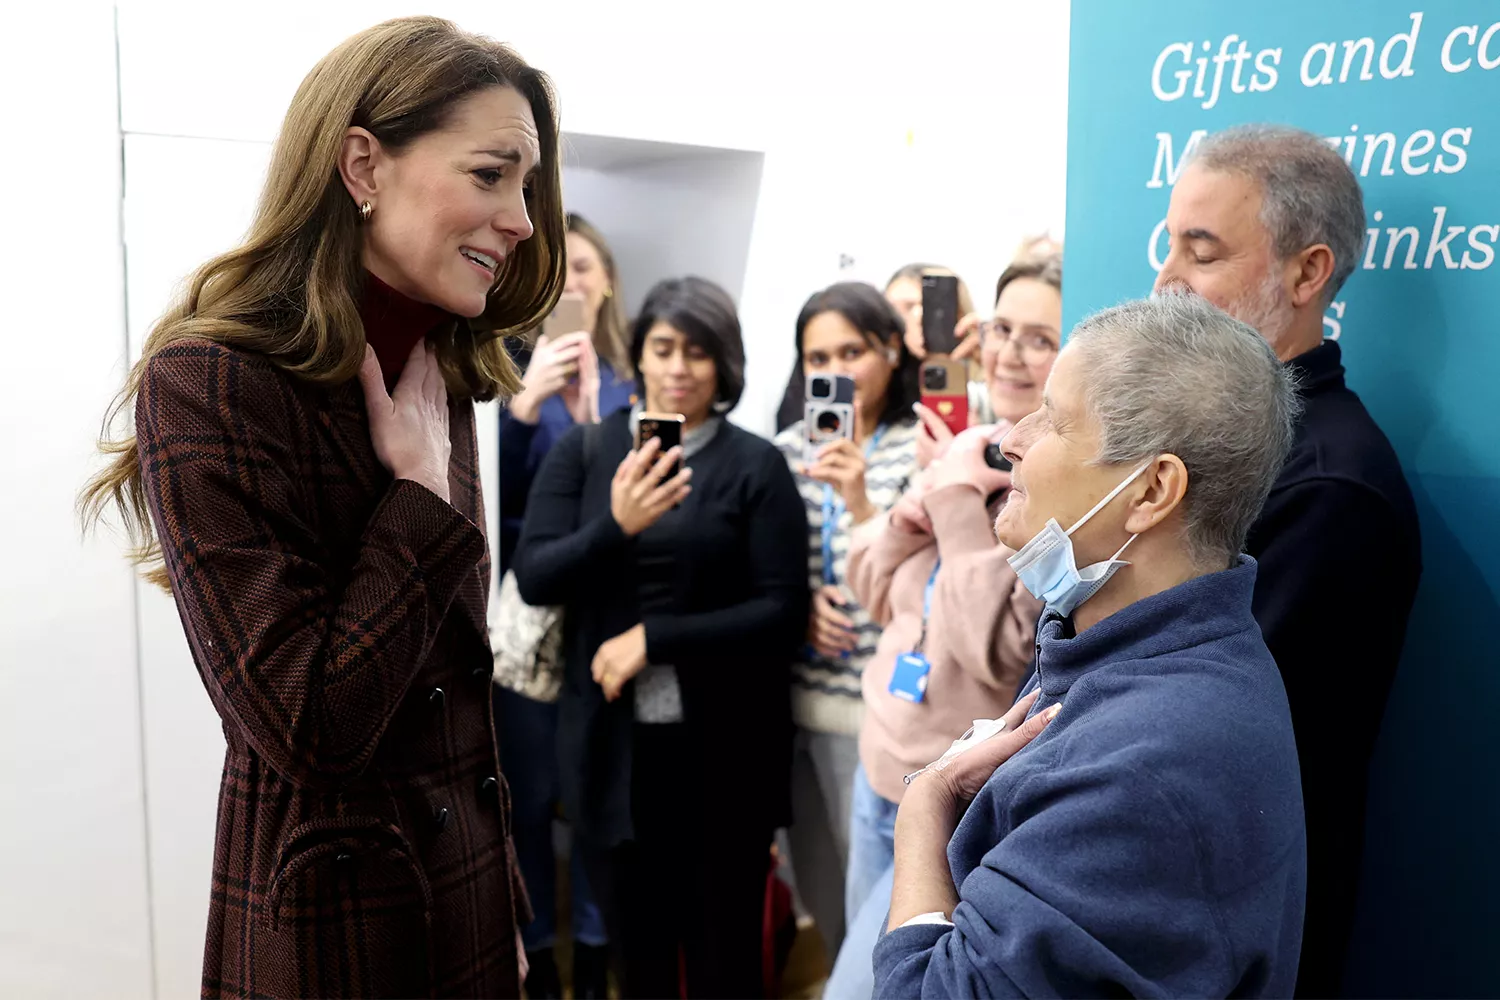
(980, 639)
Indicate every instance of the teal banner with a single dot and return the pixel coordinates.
(1410, 95)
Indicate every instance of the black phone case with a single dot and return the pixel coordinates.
(939, 313)
(668, 432)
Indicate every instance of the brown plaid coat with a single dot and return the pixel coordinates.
(337, 619)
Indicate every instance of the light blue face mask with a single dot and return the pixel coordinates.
(1048, 568)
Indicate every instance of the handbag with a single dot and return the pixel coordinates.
(527, 641)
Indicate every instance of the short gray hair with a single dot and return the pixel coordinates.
(1174, 374)
(1308, 193)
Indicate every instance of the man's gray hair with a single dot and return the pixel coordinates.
(1174, 374)
(1308, 193)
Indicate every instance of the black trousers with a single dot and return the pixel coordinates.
(683, 901)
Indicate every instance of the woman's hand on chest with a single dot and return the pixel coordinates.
(409, 427)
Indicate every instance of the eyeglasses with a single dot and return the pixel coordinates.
(1035, 348)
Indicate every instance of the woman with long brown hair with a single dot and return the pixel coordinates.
(305, 453)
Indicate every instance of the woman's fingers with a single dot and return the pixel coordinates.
(831, 642)
(839, 640)
(671, 492)
(822, 648)
(639, 461)
(834, 470)
(433, 385)
(967, 335)
(933, 424)
(842, 449)
(625, 471)
(1019, 709)
(662, 465)
(414, 374)
(377, 400)
(829, 613)
(565, 354)
(968, 771)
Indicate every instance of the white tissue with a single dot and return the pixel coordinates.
(981, 730)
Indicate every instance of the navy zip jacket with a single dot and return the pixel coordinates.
(1150, 841)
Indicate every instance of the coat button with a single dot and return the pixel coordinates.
(343, 859)
(483, 674)
(440, 818)
(490, 786)
(436, 698)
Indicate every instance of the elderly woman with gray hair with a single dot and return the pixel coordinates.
(1135, 826)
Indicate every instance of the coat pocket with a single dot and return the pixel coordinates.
(346, 868)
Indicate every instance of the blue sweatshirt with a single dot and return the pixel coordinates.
(1150, 841)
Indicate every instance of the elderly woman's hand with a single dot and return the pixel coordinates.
(959, 779)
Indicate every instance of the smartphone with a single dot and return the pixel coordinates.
(566, 317)
(666, 428)
(828, 413)
(945, 390)
(940, 313)
(995, 458)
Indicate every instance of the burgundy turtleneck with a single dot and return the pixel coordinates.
(394, 324)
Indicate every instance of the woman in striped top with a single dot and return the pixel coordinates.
(846, 329)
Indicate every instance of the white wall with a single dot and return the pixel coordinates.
(73, 885)
(887, 135)
(684, 211)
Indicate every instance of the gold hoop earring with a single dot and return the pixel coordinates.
(365, 211)
(609, 293)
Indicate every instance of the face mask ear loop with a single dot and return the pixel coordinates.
(1110, 496)
(1120, 553)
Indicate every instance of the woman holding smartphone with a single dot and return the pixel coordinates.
(685, 601)
(572, 376)
(582, 375)
(958, 624)
(850, 330)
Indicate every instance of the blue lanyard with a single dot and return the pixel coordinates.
(833, 509)
(927, 605)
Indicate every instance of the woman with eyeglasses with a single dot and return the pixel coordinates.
(957, 626)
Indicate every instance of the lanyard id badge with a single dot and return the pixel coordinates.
(909, 679)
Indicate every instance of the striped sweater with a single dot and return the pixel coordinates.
(826, 694)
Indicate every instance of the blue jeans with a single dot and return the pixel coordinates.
(528, 758)
(867, 900)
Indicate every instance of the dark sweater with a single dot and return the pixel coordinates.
(1340, 557)
(1150, 841)
(721, 586)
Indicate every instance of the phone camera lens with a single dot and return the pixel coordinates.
(822, 388)
(934, 378)
(829, 422)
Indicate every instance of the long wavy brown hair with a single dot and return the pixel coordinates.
(290, 291)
